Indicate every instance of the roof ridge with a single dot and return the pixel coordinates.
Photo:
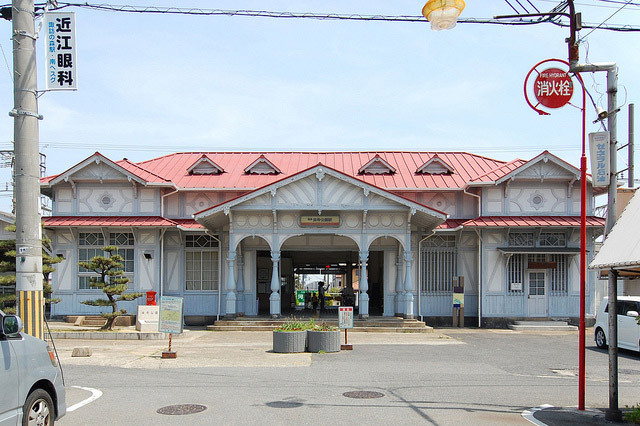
(142, 168)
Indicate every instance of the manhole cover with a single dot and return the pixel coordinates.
(626, 371)
(284, 404)
(363, 394)
(181, 409)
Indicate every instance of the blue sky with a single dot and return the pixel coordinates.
(154, 84)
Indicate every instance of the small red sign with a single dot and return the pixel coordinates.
(553, 88)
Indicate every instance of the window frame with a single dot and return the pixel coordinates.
(201, 244)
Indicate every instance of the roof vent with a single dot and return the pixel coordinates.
(204, 166)
(262, 166)
(435, 166)
(377, 166)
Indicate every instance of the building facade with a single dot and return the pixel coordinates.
(228, 231)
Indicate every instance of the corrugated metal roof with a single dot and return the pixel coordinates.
(622, 247)
(533, 221)
(174, 168)
(135, 221)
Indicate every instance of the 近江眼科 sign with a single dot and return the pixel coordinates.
(60, 51)
(599, 150)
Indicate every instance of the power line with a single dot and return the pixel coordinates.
(321, 16)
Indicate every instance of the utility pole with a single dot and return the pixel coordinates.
(613, 413)
(631, 145)
(29, 290)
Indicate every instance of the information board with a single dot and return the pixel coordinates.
(345, 317)
(170, 315)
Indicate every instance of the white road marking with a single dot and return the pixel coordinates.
(95, 394)
(528, 414)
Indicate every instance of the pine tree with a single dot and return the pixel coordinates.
(112, 281)
(8, 270)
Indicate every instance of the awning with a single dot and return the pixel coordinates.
(539, 250)
(621, 248)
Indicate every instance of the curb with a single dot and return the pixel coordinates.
(106, 335)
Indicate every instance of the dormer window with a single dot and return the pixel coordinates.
(435, 166)
(262, 166)
(377, 166)
(204, 166)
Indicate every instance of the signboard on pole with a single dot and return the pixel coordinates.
(170, 315)
(345, 317)
(60, 48)
(599, 150)
(553, 88)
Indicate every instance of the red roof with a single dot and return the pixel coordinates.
(543, 221)
(188, 223)
(174, 168)
(108, 221)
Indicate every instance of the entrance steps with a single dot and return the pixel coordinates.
(371, 325)
(87, 320)
(542, 325)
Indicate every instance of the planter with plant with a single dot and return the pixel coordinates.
(324, 338)
(291, 337)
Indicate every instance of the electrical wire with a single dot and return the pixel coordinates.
(612, 15)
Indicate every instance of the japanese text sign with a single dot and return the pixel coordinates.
(599, 150)
(60, 48)
(553, 88)
(345, 317)
(170, 315)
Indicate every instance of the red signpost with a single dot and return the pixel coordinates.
(553, 88)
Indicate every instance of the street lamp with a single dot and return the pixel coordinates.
(443, 14)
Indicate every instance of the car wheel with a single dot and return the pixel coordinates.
(38, 409)
(601, 340)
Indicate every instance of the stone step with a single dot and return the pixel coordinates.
(542, 325)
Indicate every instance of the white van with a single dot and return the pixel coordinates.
(628, 308)
(31, 388)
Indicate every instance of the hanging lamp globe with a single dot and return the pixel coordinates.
(443, 14)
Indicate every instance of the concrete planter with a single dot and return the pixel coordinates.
(289, 341)
(325, 341)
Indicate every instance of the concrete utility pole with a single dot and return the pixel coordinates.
(29, 291)
(631, 145)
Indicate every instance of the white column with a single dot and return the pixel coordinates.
(408, 286)
(364, 286)
(274, 298)
(399, 297)
(231, 285)
(240, 302)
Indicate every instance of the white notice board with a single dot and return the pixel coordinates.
(170, 315)
(345, 317)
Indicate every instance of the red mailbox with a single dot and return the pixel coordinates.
(151, 298)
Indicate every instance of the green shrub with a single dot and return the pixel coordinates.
(294, 324)
(633, 416)
(324, 327)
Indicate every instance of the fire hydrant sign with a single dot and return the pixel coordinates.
(553, 88)
(60, 48)
(345, 317)
(170, 315)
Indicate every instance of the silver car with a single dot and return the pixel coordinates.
(31, 388)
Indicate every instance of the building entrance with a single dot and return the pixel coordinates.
(301, 272)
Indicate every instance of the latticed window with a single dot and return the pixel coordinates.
(515, 273)
(90, 245)
(439, 264)
(559, 276)
(201, 263)
(553, 239)
(521, 239)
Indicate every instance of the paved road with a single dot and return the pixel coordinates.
(449, 377)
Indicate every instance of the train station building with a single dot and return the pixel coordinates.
(232, 232)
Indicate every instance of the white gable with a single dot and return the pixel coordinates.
(262, 166)
(435, 166)
(204, 166)
(377, 166)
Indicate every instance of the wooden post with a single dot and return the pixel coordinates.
(169, 354)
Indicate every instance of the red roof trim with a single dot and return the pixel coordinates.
(532, 221)
(135, 221)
